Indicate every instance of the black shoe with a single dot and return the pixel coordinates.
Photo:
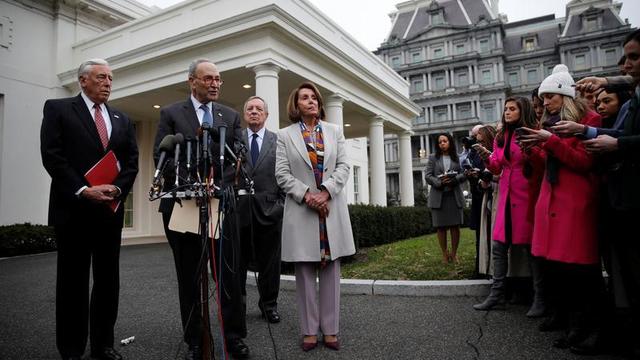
(592, 345)
(237, 349)
(107, 353)
(553, 323)
(272, 316)
(193, 353)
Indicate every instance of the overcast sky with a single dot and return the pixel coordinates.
(368, 21)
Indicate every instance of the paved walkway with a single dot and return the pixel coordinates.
(372, 326)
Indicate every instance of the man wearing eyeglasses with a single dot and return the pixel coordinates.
(186, 117)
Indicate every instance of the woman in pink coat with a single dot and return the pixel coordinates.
(566, 212)
(514, 223)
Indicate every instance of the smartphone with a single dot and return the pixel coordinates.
(520, 131)
(580, 136)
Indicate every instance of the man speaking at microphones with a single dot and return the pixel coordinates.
(201, 112)
(82, 142)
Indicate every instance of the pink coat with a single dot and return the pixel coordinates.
(515, 187)
(566, 212)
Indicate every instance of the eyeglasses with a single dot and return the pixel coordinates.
(208, 80)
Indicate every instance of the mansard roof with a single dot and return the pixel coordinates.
(545, 29)
(606, 12)
(413, 20)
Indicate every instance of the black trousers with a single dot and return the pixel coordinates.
(576, 292)
(82, 247)
(261, 247)
(189, 259)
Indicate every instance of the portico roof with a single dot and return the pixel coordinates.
(150, 56)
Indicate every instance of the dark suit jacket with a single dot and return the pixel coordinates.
(70, 146)
(181, 118)
(268, 203)
(435, 168)
(623, 181)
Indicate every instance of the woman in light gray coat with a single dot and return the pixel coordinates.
(312, 169)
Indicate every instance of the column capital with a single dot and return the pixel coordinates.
(404, 134)
(377, 120)
(266, 67)
(336, 99)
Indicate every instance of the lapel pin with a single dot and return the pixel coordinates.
(116, 116)
(220, 114)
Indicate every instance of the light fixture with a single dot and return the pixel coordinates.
(246, 86)
(347, 125)
(156, 106)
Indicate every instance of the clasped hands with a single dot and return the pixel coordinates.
(100, 193)
(318, 201)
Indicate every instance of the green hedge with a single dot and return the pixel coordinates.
(22, 239)
(376, 225)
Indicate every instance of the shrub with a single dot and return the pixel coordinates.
(22, 239)
(376, 225)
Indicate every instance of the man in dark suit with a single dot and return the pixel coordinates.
(76, 133)
(186, 117)
(260, 216)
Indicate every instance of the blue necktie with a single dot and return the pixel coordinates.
(255, 151)
(206, 119)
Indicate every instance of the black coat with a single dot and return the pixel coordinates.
(181, 118)
(70, 146)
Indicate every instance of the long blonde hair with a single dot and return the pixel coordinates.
(571, 110)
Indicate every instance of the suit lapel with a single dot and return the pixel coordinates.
(328, 137)
(298, 142)
(267, 142)
(81, 110)
(190, 115)
(245, 139)
(116, 125)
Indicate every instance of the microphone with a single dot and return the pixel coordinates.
(188, 139)
(165, 146)
(178, 140)
(222, 131)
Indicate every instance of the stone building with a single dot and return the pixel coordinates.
(462, 58)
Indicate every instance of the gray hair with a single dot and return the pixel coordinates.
(85, 67)
(266, 107)
(194, 65)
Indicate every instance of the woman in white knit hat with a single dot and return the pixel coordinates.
(565, 215)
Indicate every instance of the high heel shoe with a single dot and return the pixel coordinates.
(308, 346)
(333, 345)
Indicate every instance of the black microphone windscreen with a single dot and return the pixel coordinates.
(179, 139)
(167, 143)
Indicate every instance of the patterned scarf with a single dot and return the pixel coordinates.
(314, 142)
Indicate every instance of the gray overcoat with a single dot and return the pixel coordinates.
(300, 227)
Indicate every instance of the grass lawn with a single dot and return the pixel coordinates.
(413, 259)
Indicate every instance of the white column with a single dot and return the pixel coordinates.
(430, 114)
(475, 74)
(452, 83)
(429, 81)
(453, 112)
(424, 81)
(406, 169)
(495, 72)
(500, 72)
(334, 110)
(267, 88)
(378, 189)
(470, 75)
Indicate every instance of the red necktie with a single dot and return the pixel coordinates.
(101, 126)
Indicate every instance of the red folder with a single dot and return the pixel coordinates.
(103, 172)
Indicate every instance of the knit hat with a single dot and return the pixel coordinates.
(559, 82)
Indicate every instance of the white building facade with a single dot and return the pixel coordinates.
(269, 45)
